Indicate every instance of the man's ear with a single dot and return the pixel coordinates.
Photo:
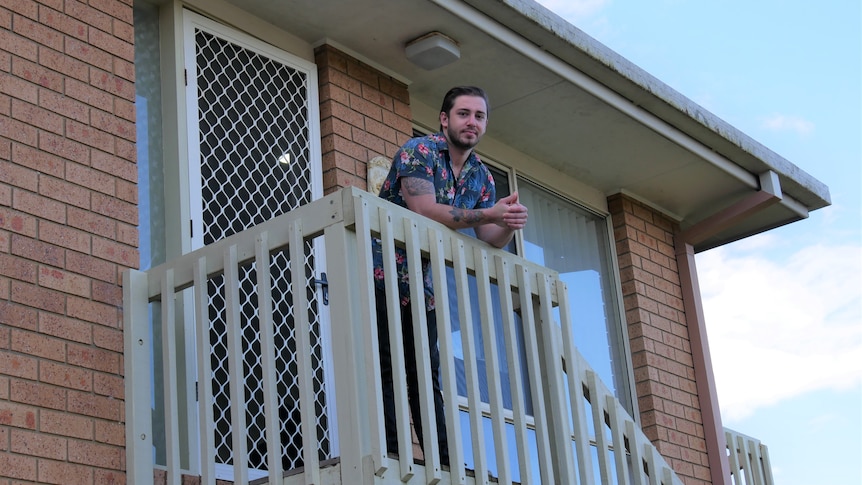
(444, 119)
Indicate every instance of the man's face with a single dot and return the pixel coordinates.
(465, 123)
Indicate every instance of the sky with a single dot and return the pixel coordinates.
(783, 309)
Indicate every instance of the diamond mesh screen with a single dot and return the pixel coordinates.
(252, 113)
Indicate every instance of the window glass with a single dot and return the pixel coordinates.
(574, 242)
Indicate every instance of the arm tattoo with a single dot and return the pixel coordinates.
(417, 186)
(469, 216)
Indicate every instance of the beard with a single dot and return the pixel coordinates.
(460, 142)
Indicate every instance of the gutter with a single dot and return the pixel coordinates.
(554, 64)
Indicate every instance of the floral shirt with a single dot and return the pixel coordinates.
(427, 158)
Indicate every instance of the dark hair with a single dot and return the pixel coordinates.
(449, 99)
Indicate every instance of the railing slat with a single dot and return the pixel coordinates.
(421, 345)
(235, 365)
(169, 372)
(516, 382)
(396, 346)
(374, 386)
(302, 336)
(637, 454)
(267, 360)
(617, 434)
(492, 365)
(597, 399)
(558, 419)
(471, 373)
(457, 473)
(534, 370)
(574, 372)
(204, 365)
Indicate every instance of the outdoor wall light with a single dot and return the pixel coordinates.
(433, 50)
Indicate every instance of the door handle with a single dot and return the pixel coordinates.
(324, 286)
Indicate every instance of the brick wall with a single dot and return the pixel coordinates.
(68, 217)
(363, 113)
(659, 338)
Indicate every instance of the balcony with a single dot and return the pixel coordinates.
(552, 422)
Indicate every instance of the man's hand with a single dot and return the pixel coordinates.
(514, 215)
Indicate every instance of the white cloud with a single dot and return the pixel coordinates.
(781, 328)
(795, 124)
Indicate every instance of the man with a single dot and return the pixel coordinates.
(440, 177)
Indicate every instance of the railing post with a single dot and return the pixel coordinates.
(347, 356)
(136, 354)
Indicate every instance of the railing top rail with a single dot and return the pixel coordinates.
(337, 207)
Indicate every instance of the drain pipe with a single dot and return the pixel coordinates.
(684, 242)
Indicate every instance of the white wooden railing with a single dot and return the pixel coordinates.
(557, 444)
(749, 460)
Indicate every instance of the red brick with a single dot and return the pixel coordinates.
(38, 444)
(89, 95)
(64, 281)
(17, 315)
(66, 424)
(118, 10)
(63, 23)
(38, 32)
(65, 237)
(38, 161)
(115, 208)
(110, 123)
(17, 415)
(33, 296)
(92, 223)
(88, 404)
(111, 433)
(115, 166)
(18, 466)
(64, 147)
(17, 268)
(37, 394)
(19, 131)
(118, 253)
(107, 293)
(51, 471)
(37, 345)
(63, 106)
(15, 364)
(70, 67)
(65, 328)
(105, 80)
(109, 385)
(86, 53)
(65, 192)
(92, 311)
(68, 376)
(91, 266)
(94, 358)
(108, 338)
(19, 46)
(38, 75)
(90, 136)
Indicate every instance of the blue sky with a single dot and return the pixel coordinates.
(783, 309)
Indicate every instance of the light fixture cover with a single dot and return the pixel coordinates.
(432, 50)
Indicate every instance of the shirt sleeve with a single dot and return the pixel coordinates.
(415, 160)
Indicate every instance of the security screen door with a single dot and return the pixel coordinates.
(254, 154)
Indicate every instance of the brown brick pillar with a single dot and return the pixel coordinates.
(68, 228)
(363, 113)
(659, 337)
